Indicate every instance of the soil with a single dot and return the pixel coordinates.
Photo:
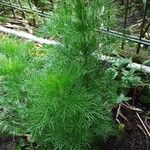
(7, 143)
(12, 142)
(135, 137)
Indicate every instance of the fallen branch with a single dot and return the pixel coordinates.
(143, 124)
(28, 36)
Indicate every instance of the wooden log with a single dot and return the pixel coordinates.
(135, 66)
(28, 36)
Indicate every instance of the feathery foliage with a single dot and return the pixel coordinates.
(13, 72)
(64, 97)
(72, 99)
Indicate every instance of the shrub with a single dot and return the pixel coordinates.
(64, 98)
(71, 99)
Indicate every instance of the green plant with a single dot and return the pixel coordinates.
(13, 73)
(63, 98)
(126, 78)
(3, 19)
(71, 99)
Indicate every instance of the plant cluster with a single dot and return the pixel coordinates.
(65, 97)
(13, 72)
(72, 100)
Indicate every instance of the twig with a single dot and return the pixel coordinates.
(147, 139)
(131, 107)
(146, 119)
(125, 118)
(1, 12)
(143, 124)
(118, 112)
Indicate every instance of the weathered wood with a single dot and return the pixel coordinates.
(135, 66)
(28, 36)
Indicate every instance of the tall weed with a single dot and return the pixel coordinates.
(71, 100)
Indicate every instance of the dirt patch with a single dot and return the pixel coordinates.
(135, 136)
(135, 117)
(14, 142)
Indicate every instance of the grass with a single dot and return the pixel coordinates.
(3, 19)
(18, 61)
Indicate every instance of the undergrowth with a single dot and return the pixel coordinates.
(18, 61)
(72, 99)
(13, 73)
(64, 98)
